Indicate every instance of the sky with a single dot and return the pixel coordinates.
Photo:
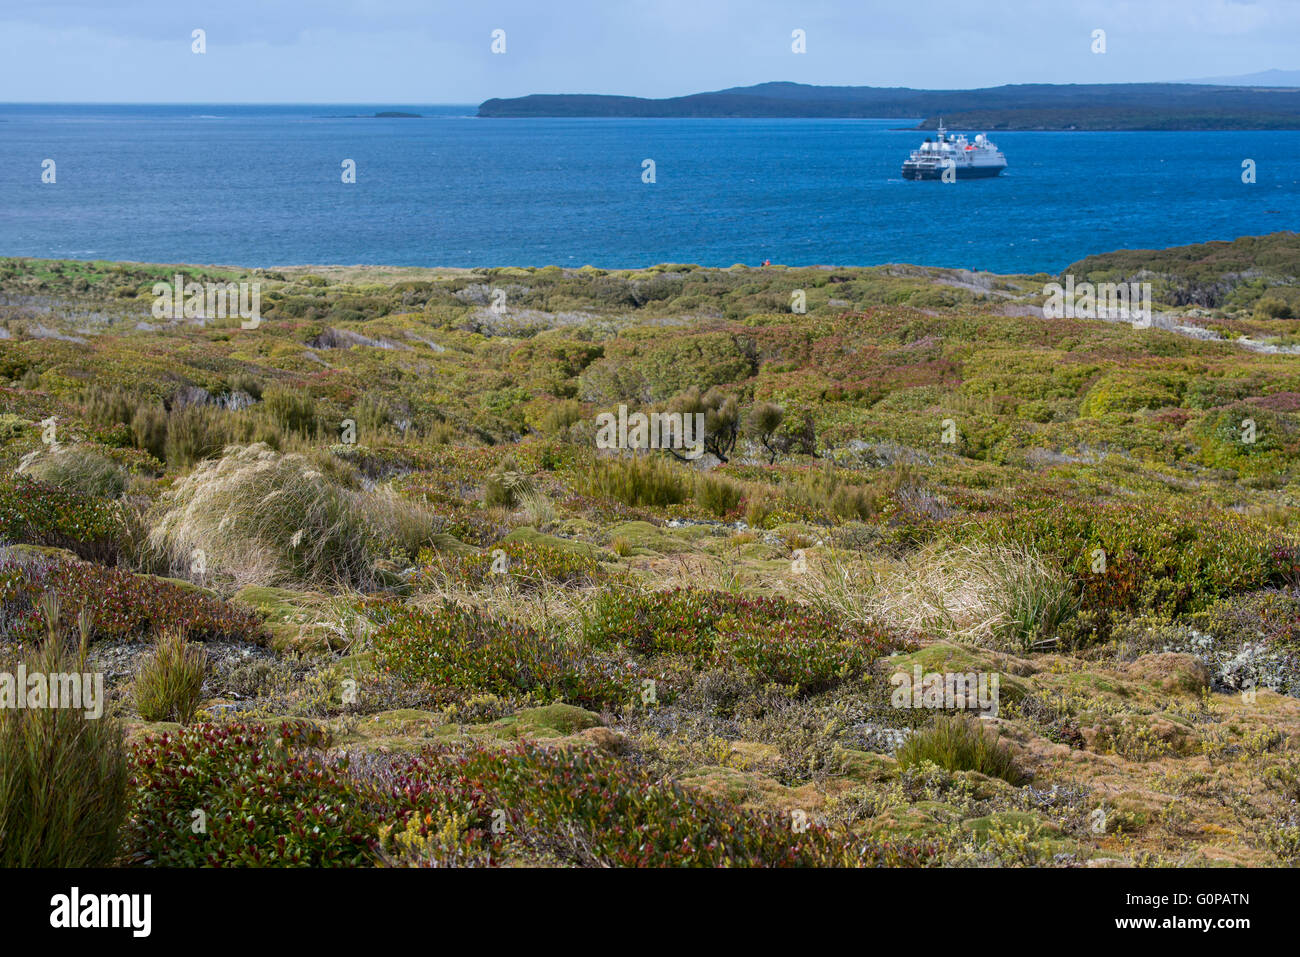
(411, 52)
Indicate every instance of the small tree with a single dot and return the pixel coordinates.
(721, 413)
(799, 438)
(763, 421)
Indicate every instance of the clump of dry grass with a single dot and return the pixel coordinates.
(997, 596)
(545, 605)
(260, 517)
(539, 509)
(81, 469)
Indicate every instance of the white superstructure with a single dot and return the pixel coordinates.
(966, 159)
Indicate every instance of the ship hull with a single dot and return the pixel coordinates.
(936, 172)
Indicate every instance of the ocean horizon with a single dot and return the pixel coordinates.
(262, 185)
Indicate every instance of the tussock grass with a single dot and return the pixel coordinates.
(958, 743)
(998, 596)
(169, 685)
(652, 480)
(639, 480)
(263, 518)
(539, 509)
(80, 470)
(545, 605)
(507, 487)
(63, 778)
(717, 495)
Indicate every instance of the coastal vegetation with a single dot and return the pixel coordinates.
(363, 588)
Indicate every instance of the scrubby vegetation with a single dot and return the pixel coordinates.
(118, 603)
(169, 685)
(266, 518)
(276, 798)
(63, 776)
(959, 744)
(366, 592)
(452, 647)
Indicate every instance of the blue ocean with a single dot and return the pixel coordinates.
(262, 186)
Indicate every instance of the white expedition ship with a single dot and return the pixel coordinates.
(967, 160)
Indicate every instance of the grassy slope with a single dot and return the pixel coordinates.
(1056, 423)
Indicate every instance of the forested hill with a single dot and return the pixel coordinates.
(1122, 106)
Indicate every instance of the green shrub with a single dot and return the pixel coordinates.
(1131, 390)
(960, 743)
(63, 778)
(581, 808)
(679, 622)
(267, 799)
(667, 366)
(774, 639)
(12, 426)
(1147, 558)
(467, 651)
(1247, 439)
(169, 684)
(271, 798)
(1271, 307)
(1210, 393)
(36, 513)
(559, 415)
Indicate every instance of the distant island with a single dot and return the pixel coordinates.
(387, 115)
(1265, 78)
(1038, 106)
